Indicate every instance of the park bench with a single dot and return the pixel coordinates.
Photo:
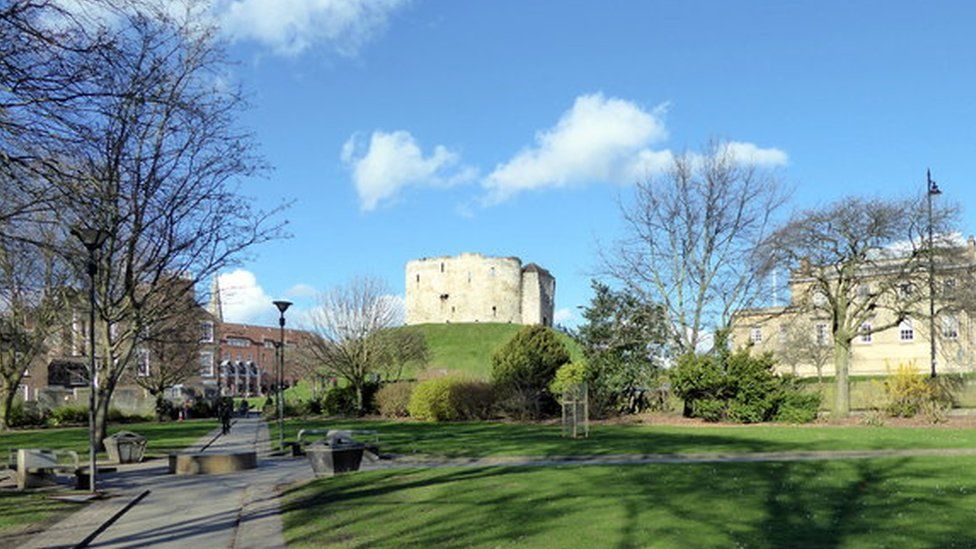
(37, 467)
(369, 437)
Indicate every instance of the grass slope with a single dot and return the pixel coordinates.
(922, 502)
(163, 437)
(467, 348)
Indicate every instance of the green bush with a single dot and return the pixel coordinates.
(798, 407)
(340, 400)
(906, 392)
(709, 409)
(567, 377)
(118, 416)
(393, 399)
(740, 387)
(202, 408)
(431, 400)
(26, 414)
(450, 399)
(523, 368)
(67, 415)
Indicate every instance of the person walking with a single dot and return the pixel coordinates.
(224, 410)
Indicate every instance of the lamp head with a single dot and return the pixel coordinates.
(282, 305)
(92, 239)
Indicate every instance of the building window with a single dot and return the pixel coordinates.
(494, 311)
(142, 363)
(820, 333)
(950, 327)
(442, 267)
(206, 364)
(905, 290)
(949, 287)
(906, 332)
(864, 291)
(418, 279)
(755, 335)
(491, 272)
(269, 344)
(469, 277)
(866, 335)
(238, 342)
(206, 332)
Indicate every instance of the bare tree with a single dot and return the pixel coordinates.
(799, 344)
(690, 238)
(157, 167)
(346, 333)
(860, 263)
(33, 296)
(171, 351)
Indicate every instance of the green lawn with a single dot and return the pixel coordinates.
(23, 511)
(467, 348)
(163, 437)
(480, 439)
(865, 503)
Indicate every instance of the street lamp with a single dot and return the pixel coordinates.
(92, 239)
(282, 307)
(933, 190)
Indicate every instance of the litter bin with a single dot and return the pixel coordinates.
(125, 447)
(335, 456)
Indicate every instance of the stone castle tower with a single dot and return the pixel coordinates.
(476, 288)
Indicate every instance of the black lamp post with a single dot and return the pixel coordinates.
(92, 239)
(282, 307)
(933, 190)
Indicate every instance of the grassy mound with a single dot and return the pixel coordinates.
(467, 348)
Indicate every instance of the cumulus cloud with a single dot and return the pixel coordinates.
(749, 153)
(243, 299)
(290, 27)
(302, 291)
(598, 138)
(563, 316)
(392, 161)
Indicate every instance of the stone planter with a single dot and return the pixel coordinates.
(125, 447)
(334, 460)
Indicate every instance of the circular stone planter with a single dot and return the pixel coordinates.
(212, 464)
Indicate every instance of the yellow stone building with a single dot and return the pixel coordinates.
(800, 333)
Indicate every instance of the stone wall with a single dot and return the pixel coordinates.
(476, 288)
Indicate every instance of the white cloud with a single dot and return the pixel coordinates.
(243, 299)
(392, 161)
(290, 27)
(749, 153)
(563, 316)
(302, 291)
(598, 139)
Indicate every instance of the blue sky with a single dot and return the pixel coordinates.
(403, 129)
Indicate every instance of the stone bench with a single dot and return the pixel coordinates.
(211, 464)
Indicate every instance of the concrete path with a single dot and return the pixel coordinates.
(233, 510)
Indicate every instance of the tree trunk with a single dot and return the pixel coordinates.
(842, 360)
(6, 404)
(359, 399)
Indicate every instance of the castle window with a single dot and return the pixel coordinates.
(452, 310)
(491, 272)
(494, 311)
(442, 267)
(469, 277)
(418, 279)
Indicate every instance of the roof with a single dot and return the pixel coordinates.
(534, 268)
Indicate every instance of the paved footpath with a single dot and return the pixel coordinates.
(232, 510)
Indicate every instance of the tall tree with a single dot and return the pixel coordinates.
(624, 340)
(863, 264)
(157, 168)
(798, 343)
(690, 239)
(33, 299)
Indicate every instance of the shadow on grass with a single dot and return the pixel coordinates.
(884, 502)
